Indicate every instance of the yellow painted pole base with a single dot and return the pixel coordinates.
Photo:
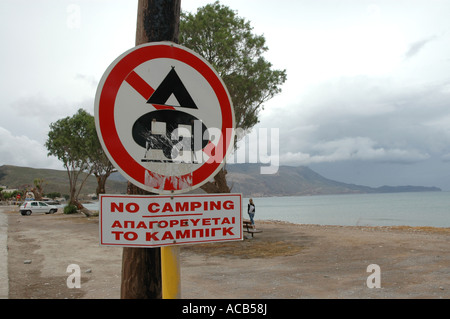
(170, 272)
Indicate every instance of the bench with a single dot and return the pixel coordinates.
(249, 228)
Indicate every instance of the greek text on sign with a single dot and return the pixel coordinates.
(155, 221)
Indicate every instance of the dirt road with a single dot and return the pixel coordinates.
(285, 261)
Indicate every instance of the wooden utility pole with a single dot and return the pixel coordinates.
(157, 20)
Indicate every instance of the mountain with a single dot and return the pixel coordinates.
(298, 181)
(15, 177)
(243, 178)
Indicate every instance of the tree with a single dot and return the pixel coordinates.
(38, 189)
(226, 40)
(101, 167)
(75, 142)
(100, 164)
(70, 140)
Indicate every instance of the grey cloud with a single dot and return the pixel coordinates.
(417, 46)
(24, 151)
(366, 119)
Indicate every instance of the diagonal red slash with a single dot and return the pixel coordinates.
(144, 89)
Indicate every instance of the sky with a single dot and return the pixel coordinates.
(366, 101)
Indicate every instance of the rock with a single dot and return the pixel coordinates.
(27, 262)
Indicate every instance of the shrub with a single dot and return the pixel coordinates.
(70, 209)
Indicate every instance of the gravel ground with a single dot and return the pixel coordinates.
(284, 261)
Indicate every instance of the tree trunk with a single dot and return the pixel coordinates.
(141, 273)
(101, 183)
(219, 185)
(157, 20)
(83, 210)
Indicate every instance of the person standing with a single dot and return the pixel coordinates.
(251, 212)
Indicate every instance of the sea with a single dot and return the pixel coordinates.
(391, 209)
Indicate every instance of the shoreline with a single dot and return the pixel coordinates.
(443, 229)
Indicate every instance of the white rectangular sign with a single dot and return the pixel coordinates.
(155, 221)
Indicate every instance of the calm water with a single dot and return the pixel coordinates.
(411, 209)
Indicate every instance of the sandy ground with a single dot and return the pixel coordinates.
(285, 261)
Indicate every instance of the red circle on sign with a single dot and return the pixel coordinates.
(105, 120)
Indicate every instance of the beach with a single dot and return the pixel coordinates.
(286, 261)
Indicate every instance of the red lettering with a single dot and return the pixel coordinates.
(195, 221)
(182, 207)
(197, 231)
(151, 236)
(228, 205)
(151, 209)
(141, 225)
(116, 224)
(167, 235)
(215, 205)
(167, 207)
(225, 221)
(227, 231)
(163, 224)
(151, 223)
(183, 234)
(117, 233)
(130, 236)
(174, 222)
(195, 205)
(184, 222)
(115, 207)
(132, 207)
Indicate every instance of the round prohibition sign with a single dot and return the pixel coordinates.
(147, 94)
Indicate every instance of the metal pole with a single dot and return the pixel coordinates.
(170, 271)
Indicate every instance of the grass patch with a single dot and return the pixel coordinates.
(247, 249)
(428, 229)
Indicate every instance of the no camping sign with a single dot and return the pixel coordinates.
(156, 221)
(164, 118)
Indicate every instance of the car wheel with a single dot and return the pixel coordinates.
(52, 211)
(28, 212)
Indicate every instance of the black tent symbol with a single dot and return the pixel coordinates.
(147, 138)
(172, 85)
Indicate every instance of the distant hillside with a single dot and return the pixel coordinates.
(298, 181)
(244, 178)
(56, 180)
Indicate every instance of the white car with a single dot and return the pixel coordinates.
(34, 206)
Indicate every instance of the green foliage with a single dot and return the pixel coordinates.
(72, 140)
(53, 195)
(227, 42)
(70, 209)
